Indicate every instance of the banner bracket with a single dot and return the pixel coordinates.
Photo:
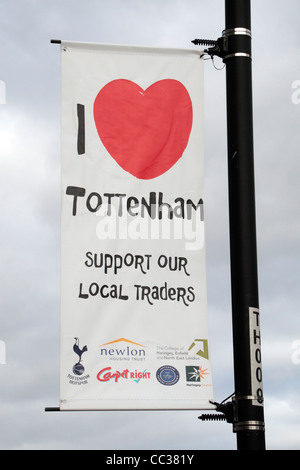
(219, 47)
(227, 410)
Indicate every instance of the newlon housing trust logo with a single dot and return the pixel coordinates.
(123, 349)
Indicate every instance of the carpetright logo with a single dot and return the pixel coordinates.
(107, 375)
(123, 349)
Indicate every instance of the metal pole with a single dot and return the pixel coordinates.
(248, 423)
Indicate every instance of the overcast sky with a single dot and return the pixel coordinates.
(30, 218)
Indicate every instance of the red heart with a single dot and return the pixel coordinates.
(146, 132)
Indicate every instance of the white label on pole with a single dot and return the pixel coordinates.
(255, 351)
(134, 331)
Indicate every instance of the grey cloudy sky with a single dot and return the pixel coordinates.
(30, 218)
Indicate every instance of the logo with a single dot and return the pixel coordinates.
(167, 375)
(78, 368)
(118, 351)
(202, 347)
(106, 375)
(195, 373)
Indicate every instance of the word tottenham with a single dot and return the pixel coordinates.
(154, 206)
(128, 217)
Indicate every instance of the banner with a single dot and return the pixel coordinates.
(134, 332)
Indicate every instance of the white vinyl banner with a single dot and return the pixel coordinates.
(134, 329)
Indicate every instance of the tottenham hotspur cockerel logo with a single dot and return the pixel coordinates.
(78, 368)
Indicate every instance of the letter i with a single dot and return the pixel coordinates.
(81, 130)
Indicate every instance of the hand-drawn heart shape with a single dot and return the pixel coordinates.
(145, 132)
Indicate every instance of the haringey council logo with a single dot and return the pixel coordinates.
(195, 373)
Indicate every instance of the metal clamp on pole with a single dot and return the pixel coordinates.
(248, 426)
(242, 406)
(238, 43)
(235, 42)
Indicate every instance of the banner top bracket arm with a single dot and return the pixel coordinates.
(219, 47)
